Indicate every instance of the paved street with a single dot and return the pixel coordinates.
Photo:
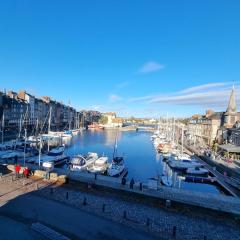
(72, 218)
(78, 224)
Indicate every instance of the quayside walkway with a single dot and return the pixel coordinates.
(222, 180)
(83, 213)
(216, 202)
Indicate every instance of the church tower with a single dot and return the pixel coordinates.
(230, 116)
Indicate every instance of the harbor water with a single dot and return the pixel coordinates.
(139, 154)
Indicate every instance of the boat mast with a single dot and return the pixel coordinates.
(182, 140)
(115, 145)
(39, 154)
(25, 138)
(36, 132)
(49, 123)
(173, 129)
(49, 119)
(3, 127)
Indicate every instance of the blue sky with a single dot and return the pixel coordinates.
(142, 58)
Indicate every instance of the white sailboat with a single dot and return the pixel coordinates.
(117, 166)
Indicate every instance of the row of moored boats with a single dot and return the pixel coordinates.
(176, 158)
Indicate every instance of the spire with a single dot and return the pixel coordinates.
(232, 107)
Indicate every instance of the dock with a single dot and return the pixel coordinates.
(220, 178)
(181, 197)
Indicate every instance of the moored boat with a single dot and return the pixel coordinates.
(183, 164)
(54, 161)
(99, 166)
(166, 180)
(197, 171)
(81, 162)
(57, 151)
(117, 167)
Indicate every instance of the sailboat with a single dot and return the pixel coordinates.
(117, 166)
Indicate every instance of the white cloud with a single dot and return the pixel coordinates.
(114, 98)
(137, 99)
(151, 67)
(95, 107)
(206, 95)
(205, 86)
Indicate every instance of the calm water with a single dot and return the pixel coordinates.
(139, 154)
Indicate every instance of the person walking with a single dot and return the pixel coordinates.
(17, 170)
(131, 183)
(26, 172)
(124, 181)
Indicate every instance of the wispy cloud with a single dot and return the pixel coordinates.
(123, 84)
(151, 67)
(205, 86)
(207, 95)
(137, 99)
(114, 98)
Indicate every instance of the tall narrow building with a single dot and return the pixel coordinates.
(230, 116)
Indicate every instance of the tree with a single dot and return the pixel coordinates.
(103, 120)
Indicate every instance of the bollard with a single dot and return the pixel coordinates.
(125, 214)
(140, 187)
(148, 222)
(84, 201)
(103, 207)
(67, 195)
(168, 203)
(174, 231)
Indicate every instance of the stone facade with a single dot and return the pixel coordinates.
(214, 126)
(113, 120)
(23, 110)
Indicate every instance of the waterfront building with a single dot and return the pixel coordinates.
(112, 120)
(14, 110)
(30, 100)
(214, 126)
(27, 111)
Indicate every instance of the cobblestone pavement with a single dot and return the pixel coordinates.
(159, 221)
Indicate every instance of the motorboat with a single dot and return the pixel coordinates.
(81, 162)
(117, 167)
(166, 180)
(19, 153)
(183, 164)
(197, 171)
(75, 132)
(183, 156)
(54, 161)
(99, 166)
(56, 151)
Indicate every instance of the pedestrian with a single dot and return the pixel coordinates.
(26, 172)
(17, 170)
(132, 183)
(124, 181)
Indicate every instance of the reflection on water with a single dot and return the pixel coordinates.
(139, 154)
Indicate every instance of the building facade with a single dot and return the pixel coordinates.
(214, 126)
(23, 110)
